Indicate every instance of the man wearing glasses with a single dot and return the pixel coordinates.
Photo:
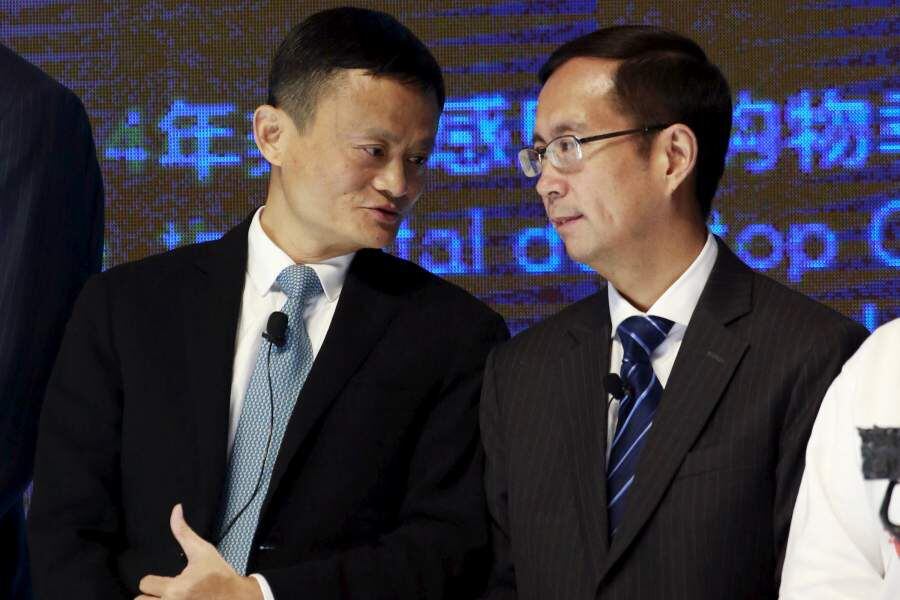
(647, 441)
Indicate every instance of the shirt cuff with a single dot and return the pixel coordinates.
(264, 586)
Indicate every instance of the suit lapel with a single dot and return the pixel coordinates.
(706, 361)
(581, 373)
(365, 310)
(212, 304)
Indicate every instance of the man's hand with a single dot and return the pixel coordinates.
(206, 575)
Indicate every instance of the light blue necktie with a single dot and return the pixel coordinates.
(290, 365)
(639, 336)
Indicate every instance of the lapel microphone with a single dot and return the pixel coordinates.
(276, 327)
(614, 385)
(275, 334)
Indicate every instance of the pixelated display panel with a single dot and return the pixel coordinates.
(810, 195)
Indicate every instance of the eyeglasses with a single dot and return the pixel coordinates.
(564, 152)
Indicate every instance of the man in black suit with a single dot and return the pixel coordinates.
(337, 458)
(51, 240)
(681, 482)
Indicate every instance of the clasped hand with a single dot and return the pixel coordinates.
(207, 575)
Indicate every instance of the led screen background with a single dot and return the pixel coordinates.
(810, 195)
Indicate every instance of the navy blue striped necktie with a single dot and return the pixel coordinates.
(639, 337)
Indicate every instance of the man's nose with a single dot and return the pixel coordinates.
(393, 180)
(550, 184)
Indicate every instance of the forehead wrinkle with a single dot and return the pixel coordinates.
(576, 92)
(377, 117)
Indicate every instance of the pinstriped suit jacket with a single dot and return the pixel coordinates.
(51, 234)
(709, 511)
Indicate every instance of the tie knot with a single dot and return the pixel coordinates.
(299, 282)
(641, 335)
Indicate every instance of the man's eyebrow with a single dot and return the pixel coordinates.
(426, 144)
(561, 129)
(384, 134)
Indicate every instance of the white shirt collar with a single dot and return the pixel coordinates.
(679, 301)
(265, 260)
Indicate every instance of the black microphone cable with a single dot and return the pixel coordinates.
(276, 327)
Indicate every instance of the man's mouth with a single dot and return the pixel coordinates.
(388, 214)
(563, 221)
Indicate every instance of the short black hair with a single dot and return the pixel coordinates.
(663, 77)
(347, 38)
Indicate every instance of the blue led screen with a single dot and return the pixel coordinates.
(811, 194)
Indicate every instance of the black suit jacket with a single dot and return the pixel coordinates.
(708, 514)
(377, 487)
(51, 236)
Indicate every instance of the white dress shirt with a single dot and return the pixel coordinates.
(263, 296)
(676, 304)
(837, 546)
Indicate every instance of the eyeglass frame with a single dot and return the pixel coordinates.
(586, 140)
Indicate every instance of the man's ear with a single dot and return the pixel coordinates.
(680, 147)
(269, 133)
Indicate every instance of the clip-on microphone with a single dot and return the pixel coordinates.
(614, 386)
(276, 328)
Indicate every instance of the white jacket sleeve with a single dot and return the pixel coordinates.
(837, 547)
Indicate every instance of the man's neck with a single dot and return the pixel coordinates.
(642, 276)
(302, 249)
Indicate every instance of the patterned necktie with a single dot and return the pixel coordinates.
(290, 365)
(639, 337)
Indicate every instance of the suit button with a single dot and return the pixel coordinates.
(265, 547)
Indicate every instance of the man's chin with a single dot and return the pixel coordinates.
(576, 253)
(380, 237)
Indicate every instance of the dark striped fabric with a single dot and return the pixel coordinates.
(51, 237)
(639, 336)
(708, 514)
